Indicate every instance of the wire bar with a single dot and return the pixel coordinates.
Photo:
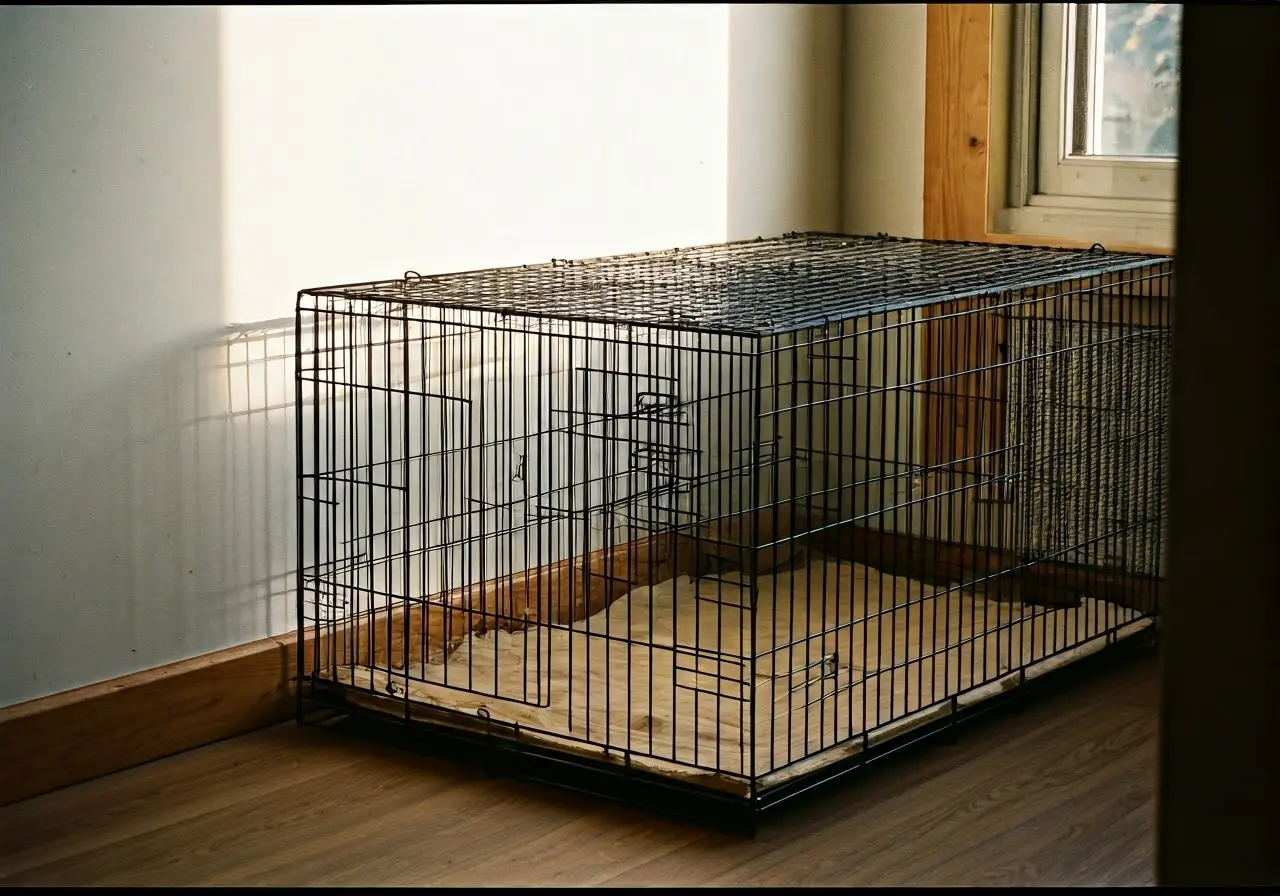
(745, 509)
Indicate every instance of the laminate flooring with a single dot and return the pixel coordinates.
(1060, 793)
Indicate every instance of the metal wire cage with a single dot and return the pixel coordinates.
(726, 519)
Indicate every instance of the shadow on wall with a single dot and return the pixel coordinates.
(146, 454)
(785, 123)
(155, 514)
(133, 459)
(253, 367)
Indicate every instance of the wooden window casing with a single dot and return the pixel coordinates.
(965, 158)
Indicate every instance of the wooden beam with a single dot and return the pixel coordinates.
(560, 593)
(77, 735)
(963, 410)
(945, 563)
(430, 629)
(956, 120)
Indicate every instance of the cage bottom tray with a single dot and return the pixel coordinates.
(846, 657)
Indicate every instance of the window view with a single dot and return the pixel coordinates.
(1094, 121)
(1133, 68)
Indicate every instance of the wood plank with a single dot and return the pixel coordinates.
(956, 124)
(1059, 794)
(960, 125)
(941, 562)
(77, 735)
(65, 738)
(965, 391)
(563, 592)
(956, 138)
(180, 789)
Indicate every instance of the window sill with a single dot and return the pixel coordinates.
(1112, 227)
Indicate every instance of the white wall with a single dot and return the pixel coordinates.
(169, 171)
(883, 192)
(784, 146)
(361, 141)
(116, 508)
(883, 161)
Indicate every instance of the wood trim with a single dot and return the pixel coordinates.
(963, 414)
(561, 593)
(956, 120)
(958, 130)
(67, 738)
(76, 735)
(945, 563)
(956, 141)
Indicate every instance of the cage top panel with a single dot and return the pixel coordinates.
(755, 287)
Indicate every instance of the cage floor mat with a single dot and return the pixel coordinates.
(664, 673)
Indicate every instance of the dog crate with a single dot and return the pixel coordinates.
(728, 520)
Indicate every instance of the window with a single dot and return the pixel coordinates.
(1094, 120)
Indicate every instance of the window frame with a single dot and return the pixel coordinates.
(1066, 173)
(1052, 192)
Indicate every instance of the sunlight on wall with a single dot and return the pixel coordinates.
(359, 142)
(169, 171)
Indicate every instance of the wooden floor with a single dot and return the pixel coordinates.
(1059, 794)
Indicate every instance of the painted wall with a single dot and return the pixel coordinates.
(119, 498)
(361, 141)
(883, 160)
(882, 192)
(168, 172)
(785, 119)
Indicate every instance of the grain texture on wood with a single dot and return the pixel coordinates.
(77, 735)
(1061, 794)
(962, 119)
(964, 406)
(956, 124)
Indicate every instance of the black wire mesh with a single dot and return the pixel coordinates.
(757, 287)
(736, 511)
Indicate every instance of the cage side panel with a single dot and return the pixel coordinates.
(652, 444)
(911, 382)
(494, 437)
(1087, 428)
(866, 405)
(482, 473)
(1033, 529)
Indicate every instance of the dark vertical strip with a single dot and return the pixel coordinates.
(753, 403)
(1218, 787)
(300, 511)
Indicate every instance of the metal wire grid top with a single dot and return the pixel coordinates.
(754, 288)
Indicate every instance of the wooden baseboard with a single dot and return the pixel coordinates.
(81, 734)
(76, 735)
